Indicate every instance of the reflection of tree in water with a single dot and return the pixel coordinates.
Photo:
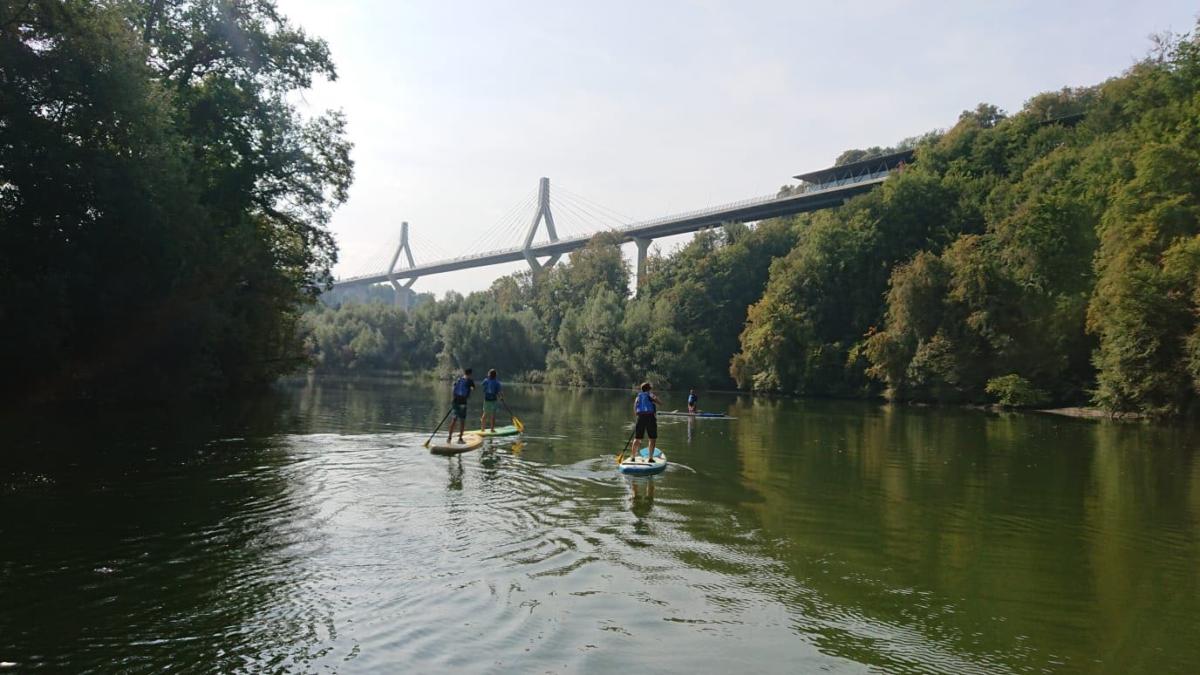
(489, 460)
(641, 501)
(186, 522)
(366, 403)
(455, 465)
(961, 525)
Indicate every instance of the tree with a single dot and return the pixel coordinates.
(163, 205)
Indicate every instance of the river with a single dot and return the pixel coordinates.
(311, 531)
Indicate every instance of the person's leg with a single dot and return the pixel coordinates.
(652, 432)
(460, 416)
(453, 420)
(483, 418)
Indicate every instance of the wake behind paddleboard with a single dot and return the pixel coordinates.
(642, 465)
(698, 415)
(470, 442)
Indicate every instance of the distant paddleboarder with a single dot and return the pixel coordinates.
(693, 400)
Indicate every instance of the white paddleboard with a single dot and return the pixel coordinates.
(642, 464)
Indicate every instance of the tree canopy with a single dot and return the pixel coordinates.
(162, 203)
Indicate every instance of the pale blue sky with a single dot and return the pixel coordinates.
(649, 108)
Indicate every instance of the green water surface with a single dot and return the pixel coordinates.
(311, 532)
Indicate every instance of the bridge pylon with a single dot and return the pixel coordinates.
(643, 245)
(543, 214)
(403, 292)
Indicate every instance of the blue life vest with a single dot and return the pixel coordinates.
(691, 399)
(645, 405)
(491, 387)
(461, 388)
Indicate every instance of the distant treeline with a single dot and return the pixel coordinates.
(1048, 256)
(162, 204)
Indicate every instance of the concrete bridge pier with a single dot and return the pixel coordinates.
(543, 214)
(643, 245)
(404, 294)
(403, 291)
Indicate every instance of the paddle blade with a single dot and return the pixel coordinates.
(518, 423)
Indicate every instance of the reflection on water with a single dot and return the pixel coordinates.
(641, 498)
(313, 531)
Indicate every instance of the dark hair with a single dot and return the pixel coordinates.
(466, 371)
(646, 386)
(492, 372)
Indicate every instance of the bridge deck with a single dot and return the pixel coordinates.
(812, 199)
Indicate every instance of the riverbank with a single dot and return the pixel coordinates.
(1091, 413)
(535, 378)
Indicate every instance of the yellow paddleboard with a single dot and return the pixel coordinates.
(470, 442)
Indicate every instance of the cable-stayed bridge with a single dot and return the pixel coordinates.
(571, 220)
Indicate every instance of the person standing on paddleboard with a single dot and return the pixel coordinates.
(693, 400)
(645, 406)
(462, 391)
(491, 399)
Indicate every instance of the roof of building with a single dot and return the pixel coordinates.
(864, 166)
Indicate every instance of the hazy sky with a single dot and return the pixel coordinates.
(649, 108)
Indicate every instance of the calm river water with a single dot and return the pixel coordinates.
(312, 532)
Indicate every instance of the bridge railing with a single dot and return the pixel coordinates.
(804, 189)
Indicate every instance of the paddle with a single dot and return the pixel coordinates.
(439, 426)
(629, 440)
(516, 420)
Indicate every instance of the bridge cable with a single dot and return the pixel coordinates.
(500, 229)
(503, 229)
(573, 223)
(592, 222)
(426, 251)
(617, 215)
(511, 235)
(594, 216)
(367, 265)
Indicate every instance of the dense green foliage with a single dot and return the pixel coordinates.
(1052, 255)
(577, 324)
(1014, 391)
(1047, 255)
(162, 205)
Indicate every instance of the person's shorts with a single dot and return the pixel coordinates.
(647, 425)
(460, 411)
(491, 407)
